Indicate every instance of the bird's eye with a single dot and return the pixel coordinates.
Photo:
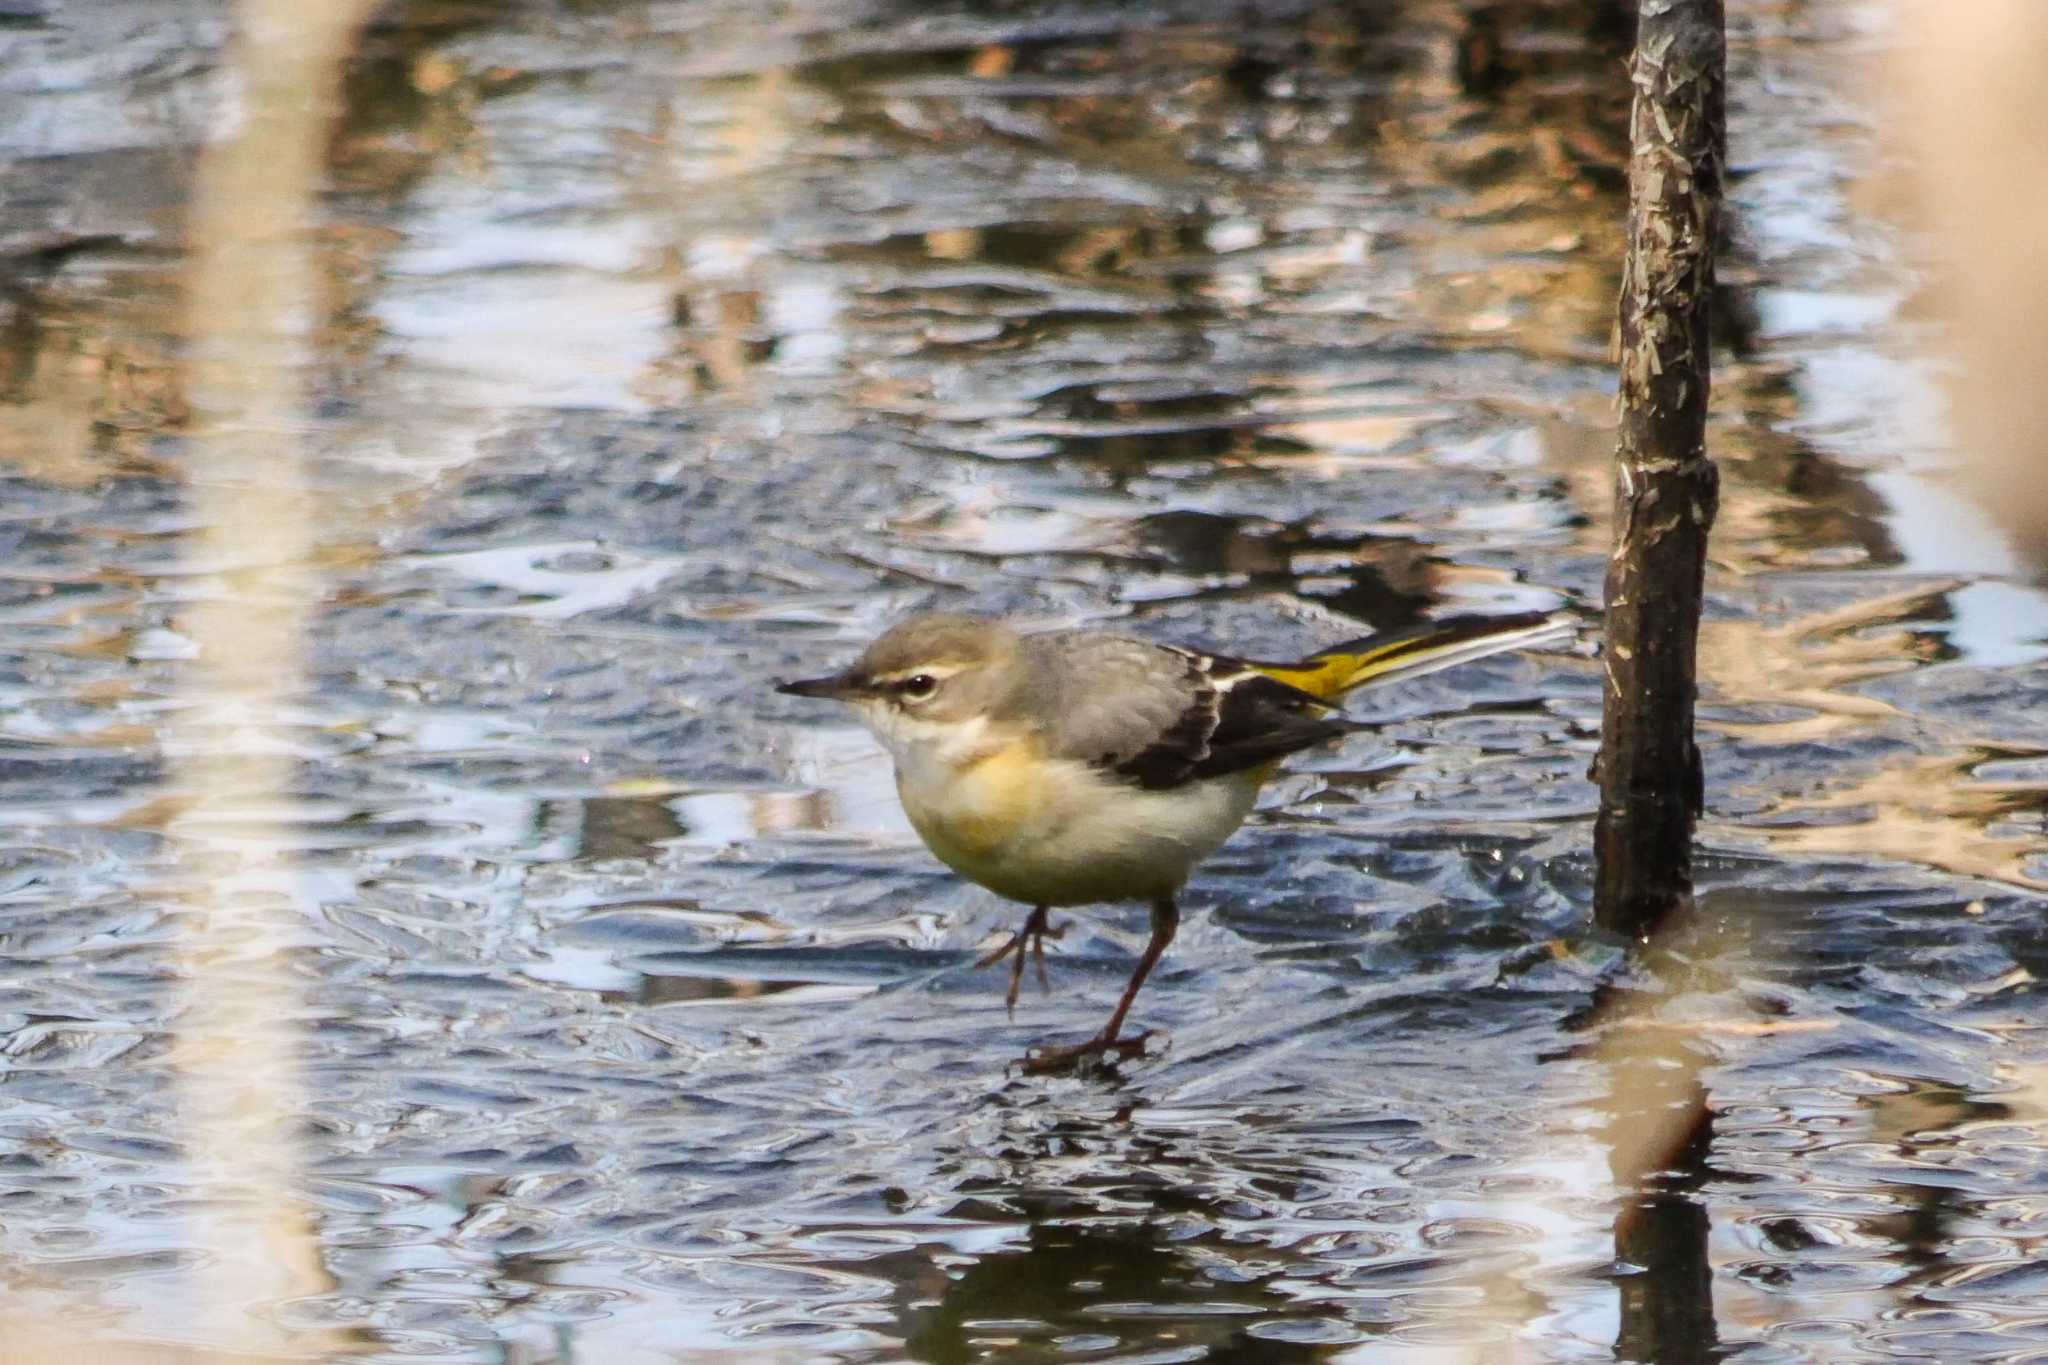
(918, 686)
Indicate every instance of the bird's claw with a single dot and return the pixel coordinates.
(1030, 940)
(1048, 1060)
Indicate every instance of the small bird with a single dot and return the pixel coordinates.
(1075, 767)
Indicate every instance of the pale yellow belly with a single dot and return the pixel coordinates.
(1060, 834)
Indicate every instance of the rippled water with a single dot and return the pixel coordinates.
(674, 348)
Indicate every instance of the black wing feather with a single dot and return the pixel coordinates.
(1237, 718)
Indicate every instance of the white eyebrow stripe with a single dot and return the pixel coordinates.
(937, 672)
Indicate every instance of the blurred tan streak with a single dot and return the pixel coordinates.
(1815, 662)
(251, 300)
(1974, 79)
(725, 260)
(1926, 810)
(1653, 1067)
(37, 1344)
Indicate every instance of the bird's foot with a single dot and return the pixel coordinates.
(1028, 940)
(1097, 1052)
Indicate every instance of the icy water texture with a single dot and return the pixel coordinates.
(672, 348)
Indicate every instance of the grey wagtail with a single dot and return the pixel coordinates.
(1074, 767)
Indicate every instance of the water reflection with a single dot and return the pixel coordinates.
(1141, 1234)
(626, 827)
(1661, 1232)
(1076, 1289)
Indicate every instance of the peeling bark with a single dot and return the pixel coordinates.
(1666, 488)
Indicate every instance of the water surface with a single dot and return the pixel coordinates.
(670, 349)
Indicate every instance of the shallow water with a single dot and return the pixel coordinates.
(675, 348)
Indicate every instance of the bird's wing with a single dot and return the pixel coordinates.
(1161, 716)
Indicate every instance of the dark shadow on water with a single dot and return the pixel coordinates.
(1385, 581)
(1127, 1243)
(626, 827)
(1661, 1231)
(1667, 1306)
(1123, 1284)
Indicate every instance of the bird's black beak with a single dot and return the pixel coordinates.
(834, 687)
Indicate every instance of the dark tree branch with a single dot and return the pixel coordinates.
(1666, 487)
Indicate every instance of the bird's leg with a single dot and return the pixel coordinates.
(1165, 923)
(1165, 920)
(1030, 939)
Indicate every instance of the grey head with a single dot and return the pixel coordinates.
(944, 666)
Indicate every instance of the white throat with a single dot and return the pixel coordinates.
(927, 752)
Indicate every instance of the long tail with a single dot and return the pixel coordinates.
(1410, 653)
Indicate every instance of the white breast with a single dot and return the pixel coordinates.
(1063, 833)
(1111, 841)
